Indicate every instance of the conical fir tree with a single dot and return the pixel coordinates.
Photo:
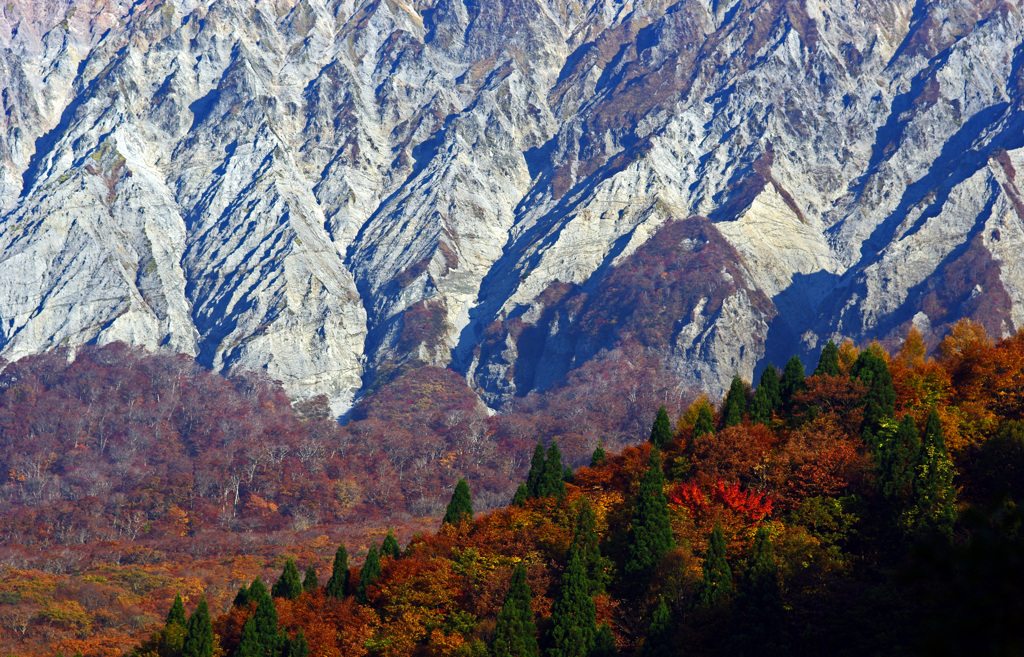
(574, 615)
(586, 541)
(661, 430)
(258, 590)
(599, 456)
(897, 464)
(716, 584)
(369, 573)
(552, 482)
(288, 585)
(604, 643)
(298, 647)
(705, 423)
(521, 496)
(735, 406)
(198, 633)
(792, 381)
(759, 612)
(515, 634)
(767, 397)
(264, 626)
(177, 613)
(650, 532)
(389, 548)
(828, 362)
(337, 585)
(537, 467)
(242, 597)
(934, 510)
(659, 641)
(310, 581)
(880, 401)
(460, 508)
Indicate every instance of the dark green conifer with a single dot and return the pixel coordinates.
(716, 584)
(288, 585)
(258, 590)
(389, 548)
(661, 430)
(659, 641)
(705, 422)
(599, 456)
(177, 613)
(520, 497)
(574, 615)
(259, 636)
(604, 643)
(552, 482)
(337, 585)
(735, 405)
(460, 508)
(250, 645)
(880, 400)
(369, 573)
(242, 597)
(586, 541)
(897, 464)
(759, 612)
(310, 582)
(515, 634)
(537, 467)
(828, 362)
(767, 397)
(198, 633)
(792, 381)
(650, 533)
(297, 647)
(934, 510)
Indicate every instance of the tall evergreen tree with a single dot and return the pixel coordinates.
(297, 647)
(515, 634)
(604, 643)
(389, 548)
(460, 508)
(537, 467)
(552, 482)
(242, 597)
(759, 612)
(177, 613)
(369, 573)
(573, 615)
(897, 464)
(586, 541)
(792, 381)
(767, 397)
(716, 584)
(650, 532)
(258, 590)
(828, 362)
(705, 422)
(337, 585)
(599, 456)
(934, 510)
(521, 496)
(265, 624)
(659, 641)
(661, 430)
(198, 633)
(310, 582)
(288, 585)
(880, 400)
(735, 406)
(250, 645)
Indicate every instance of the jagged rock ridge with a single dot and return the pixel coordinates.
(319, 188)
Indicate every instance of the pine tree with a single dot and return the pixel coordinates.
(716, 584)
(521, 496)
(661, 430)
(599, 456)
(537, 467)
(552, 482)
(460, 508)
(934, 510)
(650, 532)
(828, 362)
(288, 585)
(586, 541)
(792, 381)
(310, 582)
(767, 397)
(337, 585)
(880, 400)
(659, 641)
(369, 573)
(515, 634)
(897, 464)
(604, 643)
(258, 590)
(759, 612)
(735, 406)
(705, 422)
(265, 624)
(297, 647)
(389, 548)
(198, 633)
(573, 615)
(250, 645)
(177, 613)
(242, 597)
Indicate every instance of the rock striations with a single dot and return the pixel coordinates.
(322, 188)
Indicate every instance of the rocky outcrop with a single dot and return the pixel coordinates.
(320, 188)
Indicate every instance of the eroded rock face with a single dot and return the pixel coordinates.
(319, 188)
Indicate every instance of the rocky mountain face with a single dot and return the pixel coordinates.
(324, 188)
